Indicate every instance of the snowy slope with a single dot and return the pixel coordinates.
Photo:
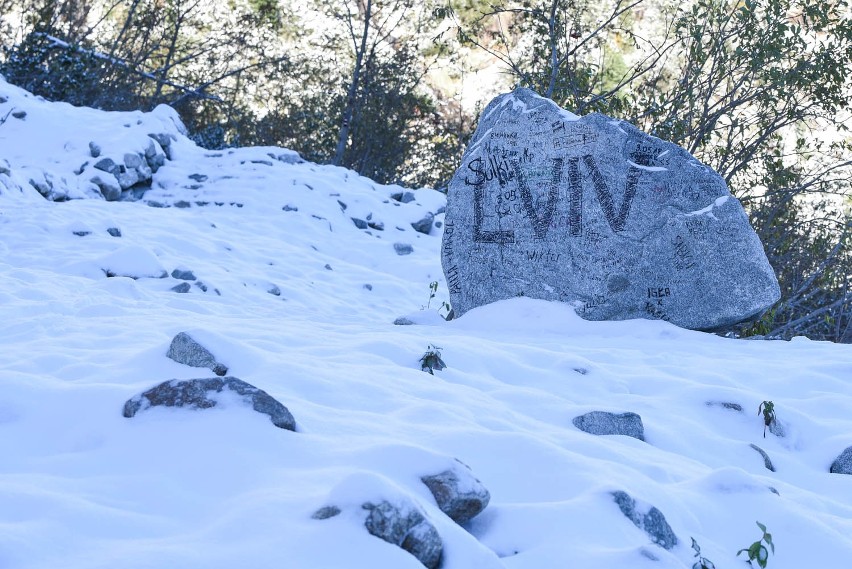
(300, 302)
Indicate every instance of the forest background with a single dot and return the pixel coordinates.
(759, 90)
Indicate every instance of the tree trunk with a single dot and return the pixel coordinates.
(352, 93)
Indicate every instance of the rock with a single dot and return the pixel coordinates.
(20, 114)
(294, 208)
(94, 150)
(202, 394)
(183, 288)
(404, 525)
(458, 493)
(424, 225)
(114, 231)
(403, 321)
(183, 275)
(766, 461)
(165, 142)
(198, 177)
(109, 166)
(843, 463)
(726, 405)
(185, 350)
(107, 185)
(359, 223)
(326, 512)
(274, 291)
(594, 212)
(403, 248)
(403, 197)
(652, 522)
(604, 423)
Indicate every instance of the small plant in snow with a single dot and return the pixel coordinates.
(703, 562)
(768, 410)
(757, 551)
(431, 360)
(433, 288)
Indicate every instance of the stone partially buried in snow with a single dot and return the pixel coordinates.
(404, 525)
(184, 349)
(458, 493)
(652, 521)
(605, 423)
(843, 463)
(203, 394)
(594, 212)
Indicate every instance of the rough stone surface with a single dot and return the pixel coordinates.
(843, 463)
(183, 275)
(652, 522)
(405, 525)
(403, 248)
(594, 212)
(726, 405)
(767, 462)
(185, 350)
(183, 288)
(326, 512)
(424, 225)
(605, 423)
(458, 493)
(201, 394)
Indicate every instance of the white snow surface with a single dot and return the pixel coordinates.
(83, 487)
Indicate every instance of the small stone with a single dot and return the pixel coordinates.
(182, 204)
(274, 291)
(726, 405)
(81, 233)
(184, 349)
(326, 512)
(424, 225)
(605, 423)
(359, 223)
(328, 267)
(377, 225)
(181, 288)
(368, 286)
(132, 160)
(109, 166)
(294, 208)
(403, 248)
(405, 526)
(843, 463)
(652, 522)
(458, 493)
(183, 275)
(20, 114)
(203, 394)
(94, 150)
(343, 206)
(198, 177)
(403, 321)
(114, 231)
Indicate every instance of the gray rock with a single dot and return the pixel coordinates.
(726, 405)
(594, 212)
(403, 197)
(359, 223)
(109, 166)
(107, 185)
(183, 275)
(604, 423)
(114, 231)
(424, 225)
(843, 463)
(185, 350)
(94, 150)
(326, 512)
(652, 522)
(405, 525)
(165, 142)
(458, 493)
(202, 394)
(20, 114)
(183, 288)
(403, 321)
(133, 160)
(403, 248)
(766, 460)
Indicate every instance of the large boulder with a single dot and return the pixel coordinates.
(204, 393)
(594, 212)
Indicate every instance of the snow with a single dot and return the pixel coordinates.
(82, 487)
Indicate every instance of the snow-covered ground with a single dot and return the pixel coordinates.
(301, 303)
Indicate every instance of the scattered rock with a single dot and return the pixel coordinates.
(652, 522)
(777, 428)
(182, 204)
(326, 512)
(114, 231)
(94, 150)
(81, 233)
(604, 423)
(198, 177)
(403, 197)
(377, 225)
(581, 370)
(403, 248)
(294, 208)
(328, 267)
(458, 492)
(368, 286)
(20, 114)
(182, 288)
(109, 166)
(424, 225)
(183, 275)
(766, 461)
(593, 211)
(843, 463)
(359, 223)
(404, 525)
(107, 185)
(403, 321)
(185, 350)
(726, 405)
(165, 142)
(202, 394)
(274, 291)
